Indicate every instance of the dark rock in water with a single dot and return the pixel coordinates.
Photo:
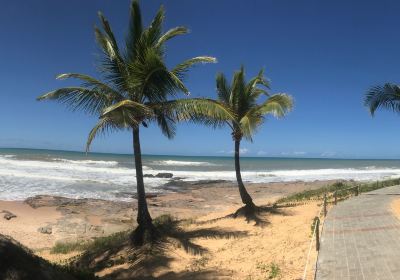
(164, 175)
(8, 215)
(159, 175)
(46, 230)
(19, 263)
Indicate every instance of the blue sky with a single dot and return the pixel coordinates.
(324, 53)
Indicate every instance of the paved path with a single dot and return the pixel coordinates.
(361, 239)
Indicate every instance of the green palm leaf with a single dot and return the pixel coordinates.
(180, 30)
(386, 96)
(128, 105)
(181, 69)
(277, 105)
(104, 125)
(135, 30)
(90, 82)
(79, 98)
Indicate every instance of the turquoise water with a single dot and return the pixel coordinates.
(27, 172)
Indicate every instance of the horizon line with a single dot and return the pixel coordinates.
(171, 155)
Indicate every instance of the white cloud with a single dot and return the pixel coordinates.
(241, 150)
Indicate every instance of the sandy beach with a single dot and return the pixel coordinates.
(247, 249)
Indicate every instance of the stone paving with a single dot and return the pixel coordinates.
(361, 239)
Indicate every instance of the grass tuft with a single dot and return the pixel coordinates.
(341, 189)
(97, 245)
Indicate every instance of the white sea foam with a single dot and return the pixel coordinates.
(182, 163)
(21, 178)
(89, 162)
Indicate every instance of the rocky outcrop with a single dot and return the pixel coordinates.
(165, 175)
(19, 263)
(84, 218)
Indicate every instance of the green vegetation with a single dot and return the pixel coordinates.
(199, 264)
(137, 89)
(272, 270)
(241, 98)
(68, 247)
(342, 189)
(386, 96)
(97, 245)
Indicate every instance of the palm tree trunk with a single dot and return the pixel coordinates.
(144, 219)
(246, 198)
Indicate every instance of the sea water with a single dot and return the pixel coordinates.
(29, 172)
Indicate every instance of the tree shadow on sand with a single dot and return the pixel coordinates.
(257, 214)
(132, 262)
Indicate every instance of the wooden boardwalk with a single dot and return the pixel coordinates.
(361, 239)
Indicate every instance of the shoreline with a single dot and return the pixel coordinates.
(69, 219)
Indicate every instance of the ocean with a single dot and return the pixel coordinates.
(29, 172)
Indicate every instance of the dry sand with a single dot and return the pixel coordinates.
(396, 208)
(244, 250)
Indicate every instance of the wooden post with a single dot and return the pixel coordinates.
(317, 234)
(335, 195)
(325, 210)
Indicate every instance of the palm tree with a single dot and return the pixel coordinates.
(240, 98)
(136, 91)
(386, 96)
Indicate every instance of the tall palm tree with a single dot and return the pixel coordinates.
(386, 96)
(240, 98)
(136, 91)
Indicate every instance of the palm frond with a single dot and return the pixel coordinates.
(277, 105)
(103, 126)
(167, 125)
(181, 69)
(152, 79)
(238, 100)
(249, 124)
(135, 109)
(79, 98)
(223, 89)
(197, 110)
(90, 82)
(258, 80)
(180, 30)
(386, 96)
(153, 33)
(109, 35)
(111, 66)
(135, 30)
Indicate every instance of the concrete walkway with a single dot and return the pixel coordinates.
(361, 239)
